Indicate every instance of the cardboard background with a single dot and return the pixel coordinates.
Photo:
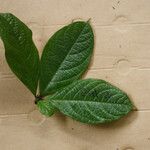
(121, 56)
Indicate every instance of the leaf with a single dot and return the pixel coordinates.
(92, 101)
(46, 108)
(20, 51)
(66, 56)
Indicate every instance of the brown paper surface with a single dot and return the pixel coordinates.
(121, 56)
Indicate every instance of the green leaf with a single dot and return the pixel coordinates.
(66, 56)
(92, 101)
(20, 51)
(46, 108)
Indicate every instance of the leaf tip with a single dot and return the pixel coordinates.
(89, 20)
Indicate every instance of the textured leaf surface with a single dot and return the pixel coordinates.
(92, 101)
(66, 56)
(21, 53)
(46, 108)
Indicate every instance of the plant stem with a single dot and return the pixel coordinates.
(38, 98)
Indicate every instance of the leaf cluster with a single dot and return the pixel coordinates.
(65, 58)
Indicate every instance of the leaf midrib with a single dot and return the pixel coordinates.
(80, 101)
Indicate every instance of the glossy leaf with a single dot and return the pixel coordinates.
(66, 56)
(20, 51)
(92, 101)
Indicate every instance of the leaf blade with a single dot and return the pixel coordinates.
(92, 101)
(20, 51)
(46, 108)
(64, 58)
